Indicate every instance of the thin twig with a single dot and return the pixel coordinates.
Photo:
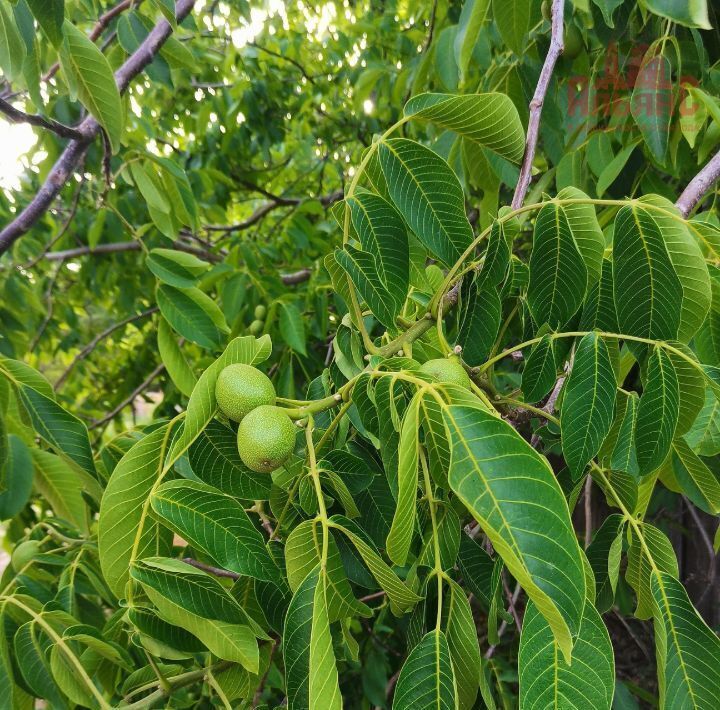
(89, 128)
(128, 400)
(503, 626)
(699, 185)
(538, 99)
(217, 571)
(708, 546)
(261, 685)
(49, 301)
(97, 339)
(17, 116)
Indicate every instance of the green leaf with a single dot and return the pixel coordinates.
(624, 456)
(691, 383)
(383, 235)
(426, 678)
(177, 268)
(687, 651)
(704, 435)
(403, 525)
(497, 256)
(202, 405)
(512, 18)
(361, 267)
(546, 681)
(689, 265)
(303, 551)
(50, 15)
(697, 481)
(428, 195)
(96, 87)
(476, 567)
(311, 674)
(151, 192)
(462, 640)
(653, 552)
(480, 323)
(126, 531)
(472, 18)
(172, 357)
(32, 649)
(12, 47)
(291, 327)
(61, 486)
(491, 120)
(167, 8)
(18, 478)
(400, 596)
(558, 276)
(646, 288)
(192, 314)
(586, 231)
(613, 169)
(540, 371)
(603, 554)
(657, 412)
(512, 492)
(60, 429)
(651, 103)
(691, 13)
(191, 599)
(216, 524)
(588, 403)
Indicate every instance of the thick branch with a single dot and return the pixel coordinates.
(17, 116)
(538, 99)
(699, 186)
(89, 128)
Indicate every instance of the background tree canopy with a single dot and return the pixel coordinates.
(475, 247)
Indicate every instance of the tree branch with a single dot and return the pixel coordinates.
(699, 186)
(89, 128)
(138, 390)
(538, 99)
(15, 115)
(97, 339)
(217, 571)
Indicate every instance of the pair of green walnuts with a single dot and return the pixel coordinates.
(266, 435)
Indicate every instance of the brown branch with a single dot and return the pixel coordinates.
(89, 128)
(291, 279)
(128, 400)
(268, 207)
(538, 99)
(97, 339)
(708, 546)
(699, 185)
(15, 115)
(217, 571)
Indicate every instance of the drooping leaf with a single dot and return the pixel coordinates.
(693, 13)
(488, 119)
(472, 18)
(588, 403)
(646, 288)
(12, 47)
(192, 314)
(513, 21)
(126, 531)
(177, 268)
(657, 412)
(96, 88)
(175, 363)
(428, 195)
(547, 681)
(482, 311)
(603, 554)
(510, 489)
(697, 481)
(426, 679)
(558, 276)
(651, 103)
(215, 523)
(311, 672)
(292, 328)
(540, 371)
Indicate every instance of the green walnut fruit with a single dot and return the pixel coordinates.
(260, 312)
(573, 42)
(242, 388)
(266, 438)
(546, 10)
(23, 553)
(256, 327)
(448, 370)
